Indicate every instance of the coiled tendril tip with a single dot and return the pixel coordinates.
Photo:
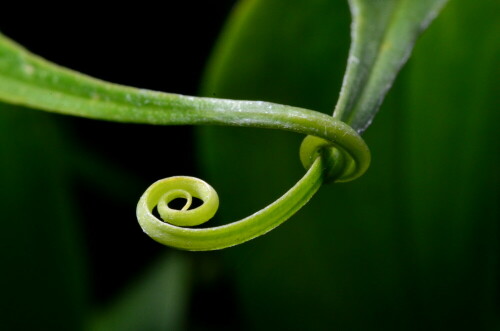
(341, 160)
(164, 191)
(335, 153)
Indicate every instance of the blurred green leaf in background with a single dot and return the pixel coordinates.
(41, 258)
(411, 245)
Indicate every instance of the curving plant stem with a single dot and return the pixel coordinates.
(333, 152)
(225, 235)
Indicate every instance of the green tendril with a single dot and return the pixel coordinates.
(332, 152)
(162, 192)
(328, 164)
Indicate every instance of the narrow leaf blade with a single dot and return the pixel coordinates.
(383, 35)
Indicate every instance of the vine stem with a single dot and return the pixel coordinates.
(335, 152)
(261, 222)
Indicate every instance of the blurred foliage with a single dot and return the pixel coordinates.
(41, 255)
(412, 245)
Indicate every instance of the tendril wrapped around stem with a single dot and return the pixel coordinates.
(333, 151)
(326, 162)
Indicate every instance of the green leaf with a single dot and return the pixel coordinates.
(451, 166)
(383, 34)
(309, 271)
(43, 279)
(393, 250)
(157, 301)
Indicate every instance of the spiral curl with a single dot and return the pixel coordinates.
(333, 151)
(326, 161)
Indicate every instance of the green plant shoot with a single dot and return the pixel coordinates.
(383, 34)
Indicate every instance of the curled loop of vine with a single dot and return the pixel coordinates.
(164, 191)
(332, 150)
(326, 161)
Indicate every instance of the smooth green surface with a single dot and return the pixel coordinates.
(413, 244)
(43, 280)
(451, 127)
(156, 301)
(383, 34)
